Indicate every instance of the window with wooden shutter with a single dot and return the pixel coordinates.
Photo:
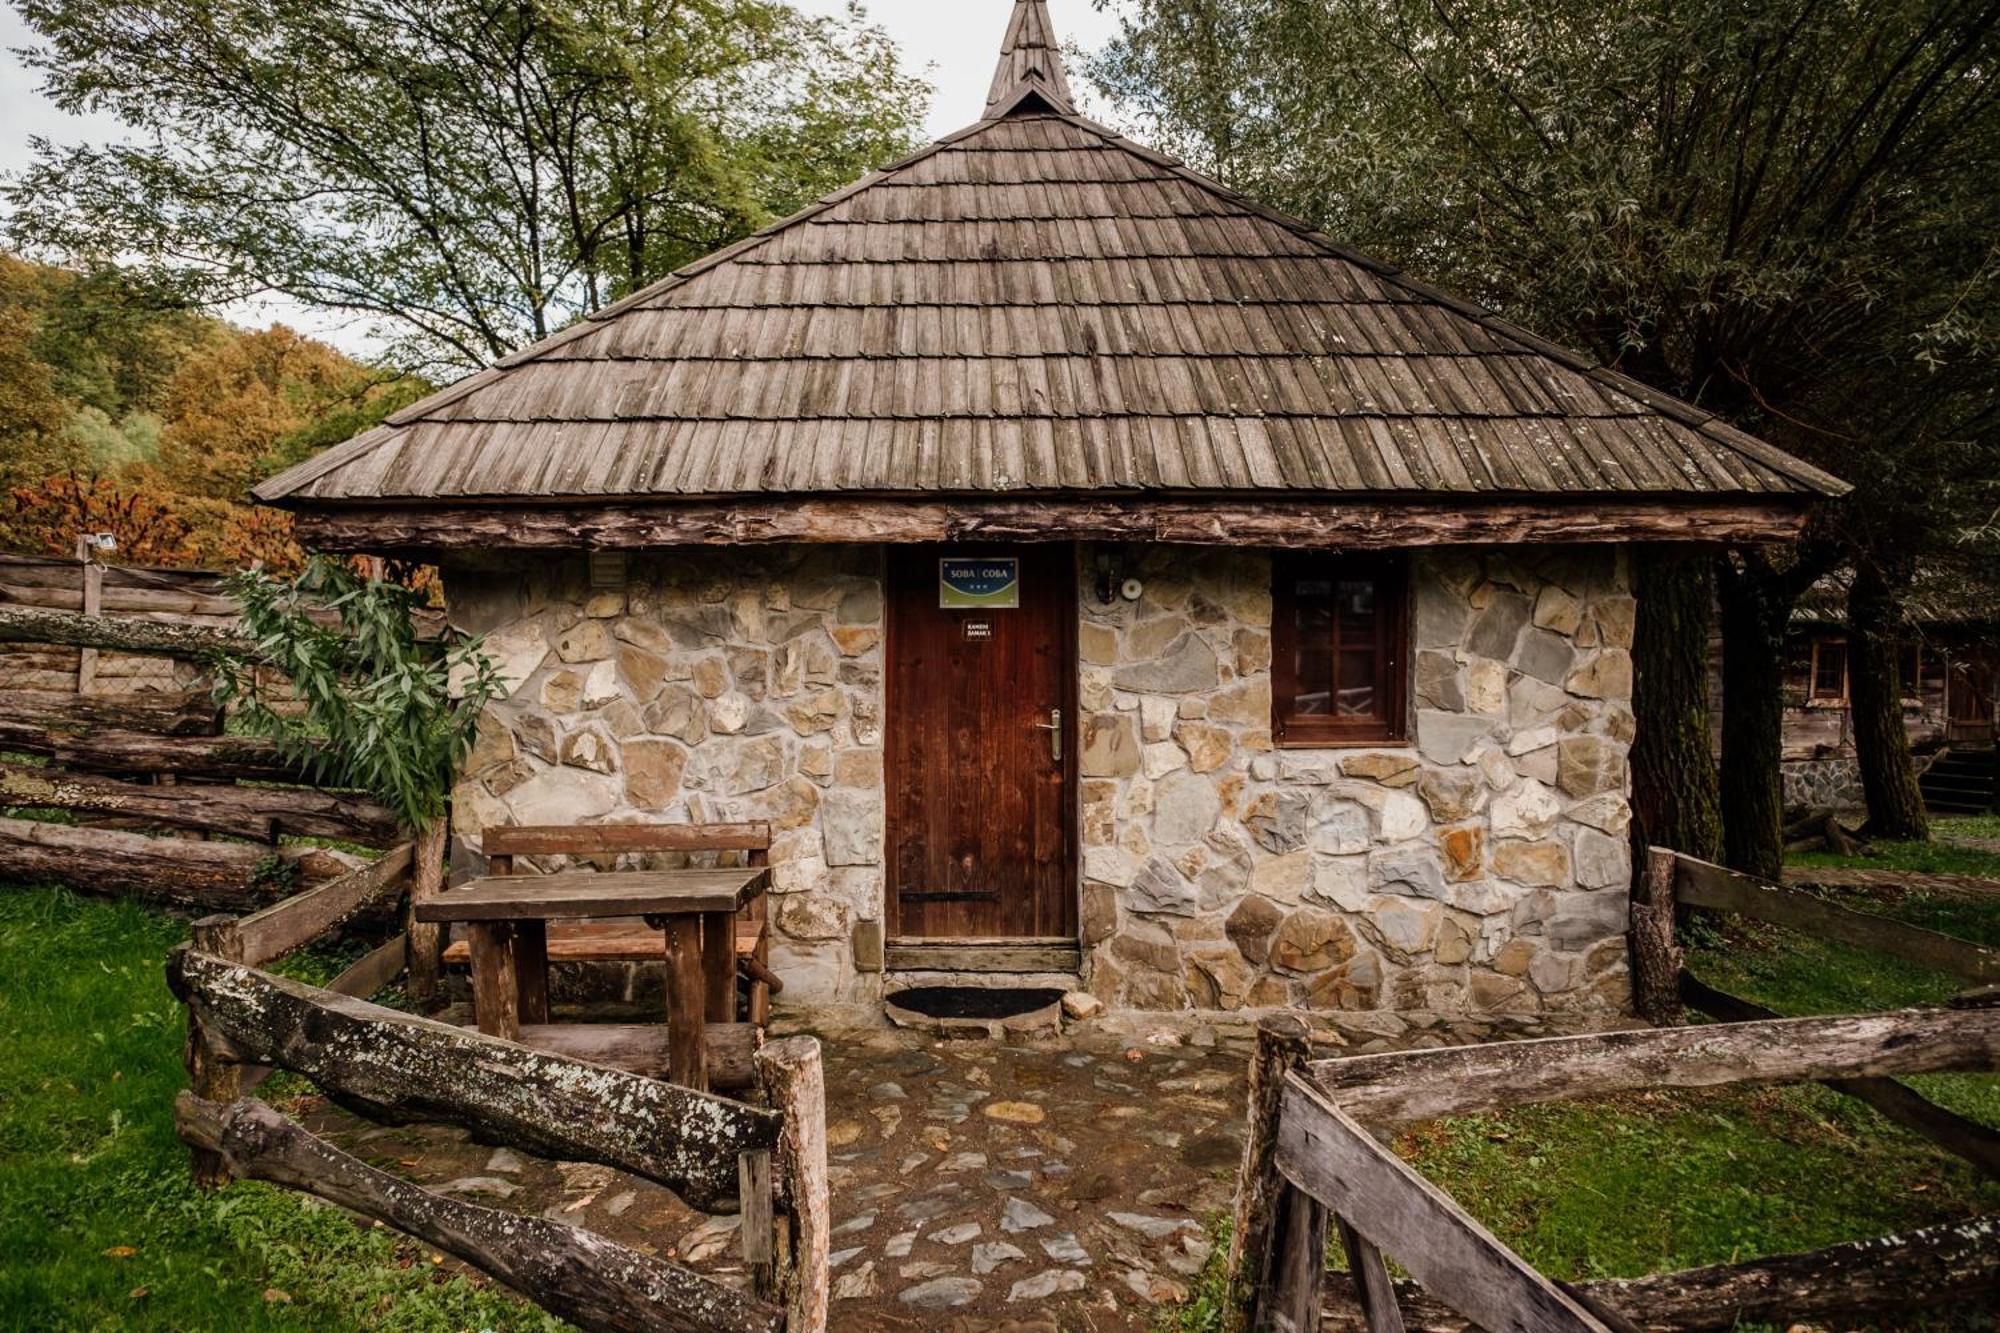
(1339, 634)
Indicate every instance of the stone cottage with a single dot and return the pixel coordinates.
(1087, 571)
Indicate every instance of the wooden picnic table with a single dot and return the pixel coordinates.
(506, 919)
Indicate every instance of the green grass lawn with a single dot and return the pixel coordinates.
(1648, 1183)
(99, 1225)
(1940, 856)
(1643, 1183)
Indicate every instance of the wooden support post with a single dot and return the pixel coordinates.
(211, 1076)
(761, 986)
(753, 1195)
(1295, 1270)
(687, 1006)
(718, 966)
(93, 607)
(496, 988)
(1281, 1047)
(426, 938)
(1372, 1287)
(1655, 953)
(531, 969)
(794, 1085)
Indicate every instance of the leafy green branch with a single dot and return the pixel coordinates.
(380, 709)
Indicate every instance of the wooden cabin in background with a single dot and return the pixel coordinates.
(1951, 680)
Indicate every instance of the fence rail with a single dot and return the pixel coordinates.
(769, 1162)
(1312, 1169)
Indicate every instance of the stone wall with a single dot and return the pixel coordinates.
(714, 686)
(1485, 866)
(1832, 782)
(1482, 867)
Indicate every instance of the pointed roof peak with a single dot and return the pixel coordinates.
(1030, 59)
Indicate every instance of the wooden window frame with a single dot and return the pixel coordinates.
(1813, 695)
(1392, 644)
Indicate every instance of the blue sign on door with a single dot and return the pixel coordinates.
(985, 585)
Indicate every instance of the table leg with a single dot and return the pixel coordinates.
(531, 967)
(496, 991)
(718, 966)
(686, 1009)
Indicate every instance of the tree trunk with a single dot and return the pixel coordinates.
(1676, 798)
(1756, 611)
(1881, 744)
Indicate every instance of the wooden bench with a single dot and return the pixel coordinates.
(632, 941)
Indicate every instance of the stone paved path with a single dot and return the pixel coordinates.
(1064, 1184)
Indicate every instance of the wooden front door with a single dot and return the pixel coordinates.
(979, 786)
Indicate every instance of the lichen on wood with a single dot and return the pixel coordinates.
(397, 1067)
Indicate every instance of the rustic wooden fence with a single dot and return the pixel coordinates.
(107, 714)
(768, 1161)
(1663, 986)
(1314, 1171)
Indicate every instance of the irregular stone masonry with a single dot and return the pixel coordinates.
(1482, 867)
(714, 686)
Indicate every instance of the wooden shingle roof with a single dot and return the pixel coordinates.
(1037, 305)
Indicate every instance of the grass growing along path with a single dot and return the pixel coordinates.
(99, 1224)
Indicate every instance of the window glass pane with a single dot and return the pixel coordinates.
(1357, 612)
(1356, 693)
(1830, 676)
(1313, 643)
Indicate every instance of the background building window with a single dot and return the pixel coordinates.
(1829, 669)
(1339, 626)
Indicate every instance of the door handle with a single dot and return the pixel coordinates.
(1054, 727)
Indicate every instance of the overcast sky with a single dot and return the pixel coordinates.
(953, 42)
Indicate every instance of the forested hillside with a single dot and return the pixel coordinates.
(122, 411)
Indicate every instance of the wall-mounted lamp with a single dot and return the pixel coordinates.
(1110, 587)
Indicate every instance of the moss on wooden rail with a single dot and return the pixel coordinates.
(588, 1280)
(398, 1067)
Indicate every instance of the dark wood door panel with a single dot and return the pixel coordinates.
(981, 810)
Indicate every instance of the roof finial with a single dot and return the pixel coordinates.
(1029, 58)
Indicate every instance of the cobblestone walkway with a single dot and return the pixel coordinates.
(977, 1187)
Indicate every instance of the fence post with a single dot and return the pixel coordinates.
(1655, 954)
(426, 882)
(212, 1077)
(794, 1085)
(93, 606)
(1260, 1190)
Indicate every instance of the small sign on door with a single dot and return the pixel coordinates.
(979, 585)
(976, 630)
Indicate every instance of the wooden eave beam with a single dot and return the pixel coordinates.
(1358, 523)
